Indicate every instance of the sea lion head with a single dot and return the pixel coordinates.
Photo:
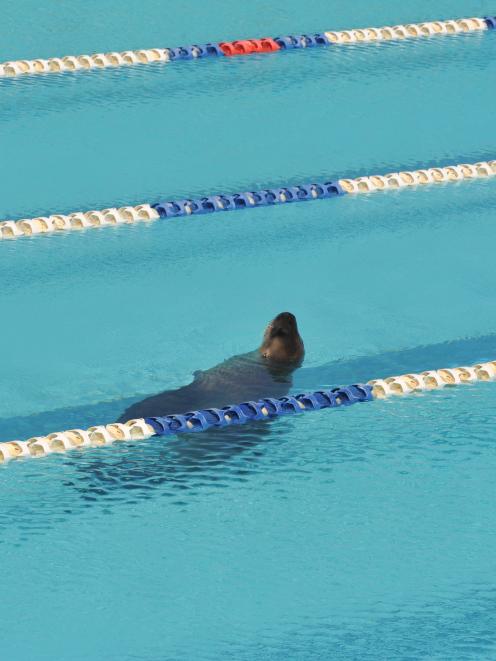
(282, 342)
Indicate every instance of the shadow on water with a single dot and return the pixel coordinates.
(467, 351)
(213, 459)
(337, 372)
(214, 456)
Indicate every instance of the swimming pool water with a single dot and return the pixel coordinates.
(365, 533)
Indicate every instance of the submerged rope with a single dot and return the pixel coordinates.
(71, 63)
(238, 414)
(10, 229)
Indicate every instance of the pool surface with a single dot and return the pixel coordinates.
(362, 533)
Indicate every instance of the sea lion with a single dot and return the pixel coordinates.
(265, 372)
(192, 462)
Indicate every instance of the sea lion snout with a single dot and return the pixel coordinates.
(283, 325)
(282, 341)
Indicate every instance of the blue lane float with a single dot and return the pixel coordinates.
(302, 41)
(195, 51)
(263, 409)
(244, 200)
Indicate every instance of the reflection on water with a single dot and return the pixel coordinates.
(175, 467)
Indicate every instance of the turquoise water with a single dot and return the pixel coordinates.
(366, 533)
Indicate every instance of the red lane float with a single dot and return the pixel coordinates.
(249, 46)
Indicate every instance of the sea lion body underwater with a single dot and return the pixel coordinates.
(265, 372)
(175, 466)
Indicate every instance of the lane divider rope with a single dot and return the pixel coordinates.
(263, 409)
(11, 229)
(71, 63)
